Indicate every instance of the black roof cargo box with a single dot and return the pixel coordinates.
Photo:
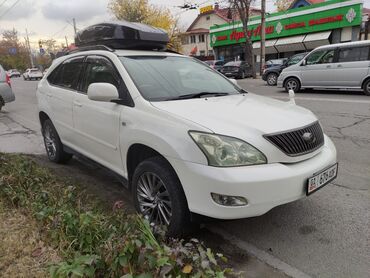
(123, 35)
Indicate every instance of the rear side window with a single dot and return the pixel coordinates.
(67, 74)
(354, 54)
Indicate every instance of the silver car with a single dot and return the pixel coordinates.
(336, 66)
(6, 93)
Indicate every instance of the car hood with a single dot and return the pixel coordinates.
(276, 67)
(240, 114)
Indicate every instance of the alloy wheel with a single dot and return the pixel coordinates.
(154, 199)
(271, 79)
(292, 85)
(50, 142)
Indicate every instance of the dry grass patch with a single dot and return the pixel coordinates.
(22, 250)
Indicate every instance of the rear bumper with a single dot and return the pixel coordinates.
(6, 93)
(264, 186)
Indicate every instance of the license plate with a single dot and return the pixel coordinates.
(319, 180)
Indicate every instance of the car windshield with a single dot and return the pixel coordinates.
(161, 78)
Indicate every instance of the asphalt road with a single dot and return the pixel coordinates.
(325, 235)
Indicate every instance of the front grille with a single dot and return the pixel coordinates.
(294, 143)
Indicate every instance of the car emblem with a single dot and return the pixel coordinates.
(308, 137)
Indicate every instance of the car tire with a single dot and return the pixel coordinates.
(271, 79)
(2, 103)
(158, 195)
(292, 83)
(366, 87)
(53, 146)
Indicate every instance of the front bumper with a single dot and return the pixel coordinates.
(264, 186)
(279, 83)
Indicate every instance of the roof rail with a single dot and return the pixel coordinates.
(91, 47)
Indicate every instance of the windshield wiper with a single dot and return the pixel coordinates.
(199, 95)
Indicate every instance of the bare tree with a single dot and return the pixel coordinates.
(243, 8)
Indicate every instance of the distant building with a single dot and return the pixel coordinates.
(196, 40)
(307, 25)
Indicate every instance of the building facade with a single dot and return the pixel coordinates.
(196, 40)
(293, 31)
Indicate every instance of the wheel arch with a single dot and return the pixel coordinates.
(136, 154)
(292, 76)
(364, 81)
(43, 117)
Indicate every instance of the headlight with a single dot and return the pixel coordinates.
(225, 151)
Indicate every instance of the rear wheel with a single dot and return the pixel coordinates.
(367, 87)
(53, 145)
(159, 197)
(271, 79)
(292, 83)
(2, 103)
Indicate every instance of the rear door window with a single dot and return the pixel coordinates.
(67, 74)
(353, 54)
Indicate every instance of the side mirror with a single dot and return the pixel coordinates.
(104, 92)
(233, 81)
(303, 63)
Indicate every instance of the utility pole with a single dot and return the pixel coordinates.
(74, 25)
(66, 41)
(29, 48)
(263, 35)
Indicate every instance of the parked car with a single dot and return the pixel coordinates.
(271, 74)
(274, 63)
(32, 74)
(14, 73)
(186, 139)
(215, 64)
(237, 69)
(336, 66)
(6, 93)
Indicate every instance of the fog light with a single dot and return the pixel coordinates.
(230, 201)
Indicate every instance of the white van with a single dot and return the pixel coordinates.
(335, 66)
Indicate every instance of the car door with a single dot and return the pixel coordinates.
(97, 124)
(63, 83)
(318, 70)
(352, 66)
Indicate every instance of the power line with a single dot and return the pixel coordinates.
(11, 7)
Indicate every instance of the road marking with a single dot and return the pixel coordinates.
(326, 99)
(260, 254)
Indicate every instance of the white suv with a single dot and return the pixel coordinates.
(187, 139)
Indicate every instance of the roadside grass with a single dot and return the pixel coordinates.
(90, 240)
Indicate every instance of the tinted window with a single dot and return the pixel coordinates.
(219, 63)
(67, 74)
(99, 70)
(354, 54)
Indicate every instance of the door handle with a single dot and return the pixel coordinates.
(339, 66)
(328, 67)
(48, 95)
(78, 104)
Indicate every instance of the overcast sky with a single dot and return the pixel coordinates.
(53, 19)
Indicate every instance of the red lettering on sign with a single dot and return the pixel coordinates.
(236, 35)
(325, 20)
(294, 25)
(221, 38)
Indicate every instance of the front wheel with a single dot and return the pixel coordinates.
(292, 84)
(271, 79)
(53, 145)
(367, 88)
(159, 197)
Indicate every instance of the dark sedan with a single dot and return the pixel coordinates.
(270, 75)
(237, 69)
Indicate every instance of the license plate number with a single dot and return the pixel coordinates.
(319, 180)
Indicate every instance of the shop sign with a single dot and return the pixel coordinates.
(310, 22)
(206, 9)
